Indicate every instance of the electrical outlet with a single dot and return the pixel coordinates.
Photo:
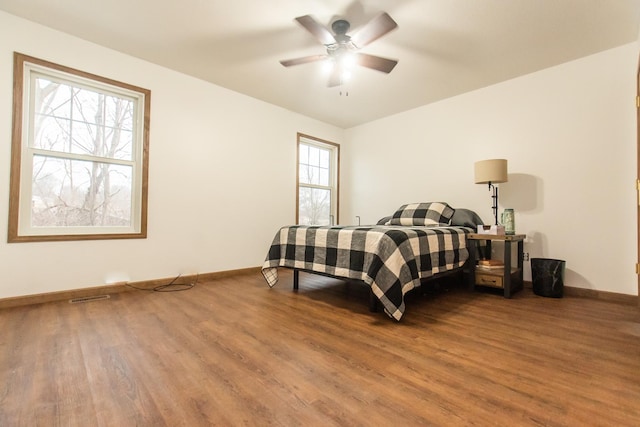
(525, 256)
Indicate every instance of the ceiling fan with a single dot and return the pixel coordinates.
(343, 49)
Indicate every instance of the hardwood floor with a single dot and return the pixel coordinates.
(235, 352)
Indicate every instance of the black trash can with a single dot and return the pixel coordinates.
(547, 276)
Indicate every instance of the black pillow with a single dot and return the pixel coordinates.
(466, 218)
(384, 221)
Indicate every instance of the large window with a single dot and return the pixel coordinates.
(79, 155)
(318, 163)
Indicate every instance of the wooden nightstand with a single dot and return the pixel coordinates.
(509, 278)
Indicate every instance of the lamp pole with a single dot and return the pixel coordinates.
(495, 201)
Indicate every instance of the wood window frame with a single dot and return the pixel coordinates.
(139, 228)
(299, 139)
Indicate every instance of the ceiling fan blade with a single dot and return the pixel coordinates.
(375, 62)
(376, 28)
(318, 30)
(303, 60)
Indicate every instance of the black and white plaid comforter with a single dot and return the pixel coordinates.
(390, 259)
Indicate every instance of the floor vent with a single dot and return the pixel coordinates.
(87, 299)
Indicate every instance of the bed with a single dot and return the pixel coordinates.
(417, 242)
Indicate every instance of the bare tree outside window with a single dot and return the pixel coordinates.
(83, 169)
(68, 192)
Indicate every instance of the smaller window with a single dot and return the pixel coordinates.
(317, 185)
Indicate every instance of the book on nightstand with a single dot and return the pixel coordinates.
(490, 264)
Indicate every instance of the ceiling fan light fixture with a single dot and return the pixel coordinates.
(338, 70)
(327, 67)
(347, 59)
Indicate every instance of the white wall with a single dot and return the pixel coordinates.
(221, 177)
(569, 134)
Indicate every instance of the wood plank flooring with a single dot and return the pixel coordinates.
(233, 352)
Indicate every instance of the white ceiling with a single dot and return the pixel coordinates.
(444, 47)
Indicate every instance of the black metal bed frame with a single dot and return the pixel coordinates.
(373, 300)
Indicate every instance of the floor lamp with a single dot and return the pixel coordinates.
(492, 171)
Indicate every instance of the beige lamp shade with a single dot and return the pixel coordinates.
(492, 170)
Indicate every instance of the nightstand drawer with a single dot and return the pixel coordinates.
(495, 281)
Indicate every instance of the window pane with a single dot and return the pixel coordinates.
(52, 99)
(314, 175)
(73, 193)
(304, 153)
(304, 174)
(323, 177)
(324, 159)
(118, 113)
(52, 133)
(314, 156)
(314, 206)
(85, 140)
(97, 124)
(88, 106)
